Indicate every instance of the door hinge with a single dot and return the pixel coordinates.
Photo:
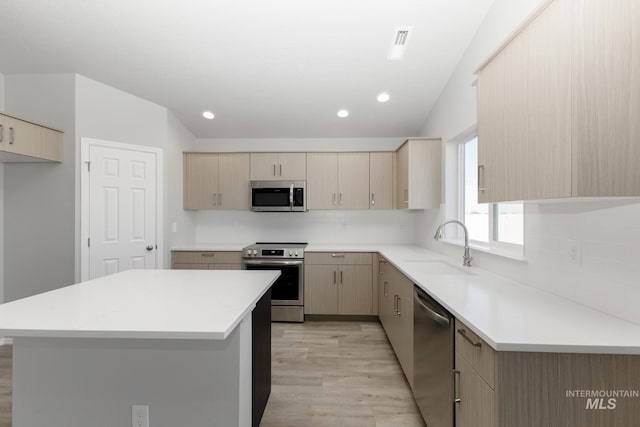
(88, 166)
(89, 241)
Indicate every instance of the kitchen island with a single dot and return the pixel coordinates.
(177, 342)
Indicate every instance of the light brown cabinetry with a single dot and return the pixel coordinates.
(22, 141)
(338, 180)
(556, 115)
(339, 283)
(505, 389)
(395, 309)
(381, 180)
(278, 166)
(206, 260)
(216, 180)
(418, 169)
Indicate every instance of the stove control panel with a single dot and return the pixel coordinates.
(282, 253)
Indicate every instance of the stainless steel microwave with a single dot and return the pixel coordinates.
(278, 196)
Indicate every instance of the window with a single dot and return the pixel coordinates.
(494, 227)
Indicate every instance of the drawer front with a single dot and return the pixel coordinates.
(338, 258)
(190, 266)
(476, 352)
(206, 257)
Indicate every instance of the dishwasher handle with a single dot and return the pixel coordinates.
(442, 320)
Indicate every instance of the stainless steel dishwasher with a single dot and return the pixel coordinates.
(433, 359)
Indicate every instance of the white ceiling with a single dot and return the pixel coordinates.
(266, 68)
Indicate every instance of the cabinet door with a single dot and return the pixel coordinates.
(502, 124)
(200, 180)
(547, 161)
(233, 181)
(321, 289)
(385, 298)
(322, 180)
(355, 290)
(292, 166)
(353, 181)
(477, 400)
(404, 312)
(23, 137)
(606, 81)
(264, 166)
(4, 132)
(402, 182)
(381, 180)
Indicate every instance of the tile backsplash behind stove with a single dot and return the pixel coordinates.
(315, 226)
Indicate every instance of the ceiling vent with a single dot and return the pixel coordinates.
(399, 43)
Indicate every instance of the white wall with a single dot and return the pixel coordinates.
(39, 198)
(179, 140)
(607, 230)
(299, 144)
(315, 226)
(106, 113)
(1, 203)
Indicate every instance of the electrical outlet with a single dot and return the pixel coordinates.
(575, 252)
(140, 416)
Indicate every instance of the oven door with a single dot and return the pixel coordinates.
(288, 288)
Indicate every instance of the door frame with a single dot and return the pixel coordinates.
(85, 145)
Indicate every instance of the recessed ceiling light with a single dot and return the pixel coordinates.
(383, 97)
(343, 113)
(208, 115)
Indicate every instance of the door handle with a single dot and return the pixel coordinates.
(280, 170)
(341, 277)
(463, 332)
(395, 304)
(398, 312)
(333, 199)
(481, 187)
(373, 199)
(274, 169)
(149, 248)
(334, 277)
(340, 200)
(214, 199)
(456, 387)
(1, 133)
(11, 135)
(384, 289)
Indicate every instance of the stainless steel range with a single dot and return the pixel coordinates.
(287, 293)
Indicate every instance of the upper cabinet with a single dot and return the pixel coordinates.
(556, 116)
(216, 181)
(338, 180)
(381, 181)
(278, 166)
(418, 171)
(22, 141)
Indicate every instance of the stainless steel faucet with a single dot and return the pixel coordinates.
(466, 259)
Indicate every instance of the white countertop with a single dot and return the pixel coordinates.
(511, 316)
(508, 315)
(160, 304)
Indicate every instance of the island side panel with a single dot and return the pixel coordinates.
(68, 382)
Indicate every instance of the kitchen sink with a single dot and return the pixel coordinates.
(440, 268)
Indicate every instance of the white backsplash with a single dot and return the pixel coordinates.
(606, 273)
(316, 226)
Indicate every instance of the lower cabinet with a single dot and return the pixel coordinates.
(338, 283)
(395, 309)
(206, 260)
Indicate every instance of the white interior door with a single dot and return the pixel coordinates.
(123, 209)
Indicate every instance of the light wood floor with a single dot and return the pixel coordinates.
(337, 374)
(324, 374)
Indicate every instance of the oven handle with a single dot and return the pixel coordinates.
(271, 262)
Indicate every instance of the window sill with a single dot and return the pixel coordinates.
(517, 255)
